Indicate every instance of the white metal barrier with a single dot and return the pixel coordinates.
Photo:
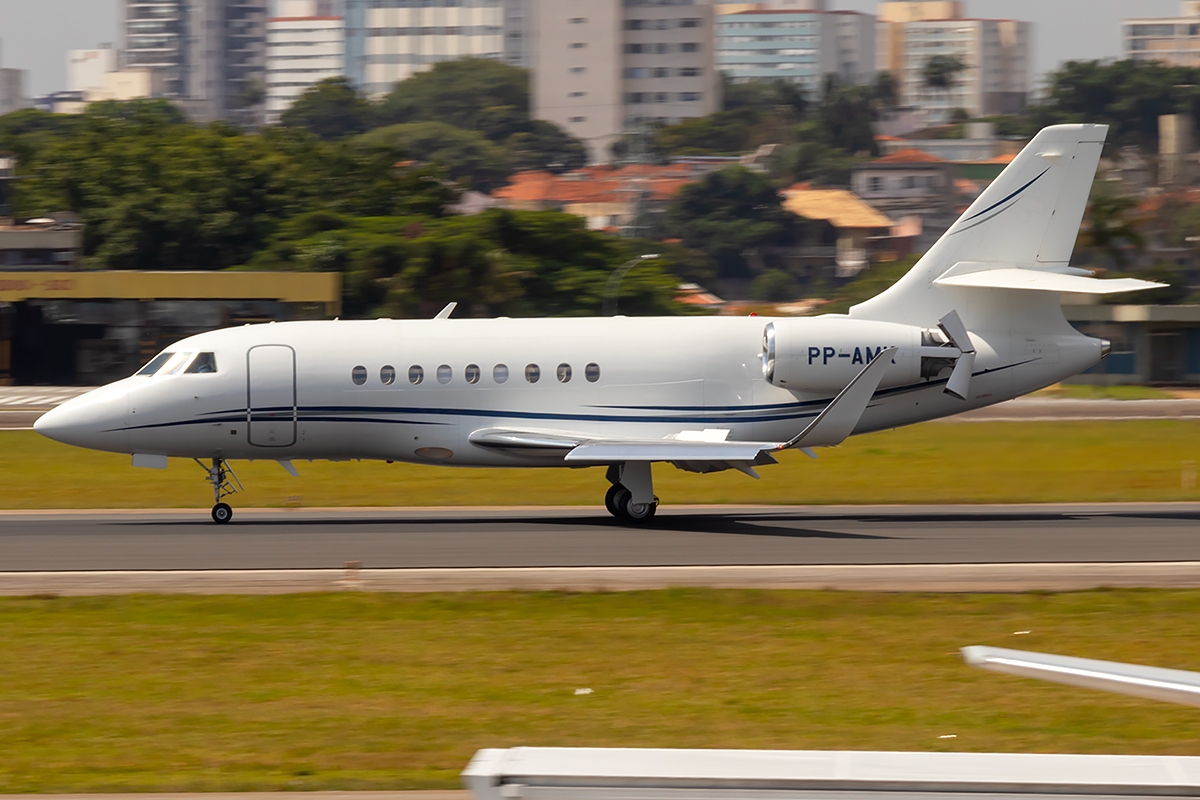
(548, 773)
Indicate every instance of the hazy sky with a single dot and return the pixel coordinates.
(36, 34)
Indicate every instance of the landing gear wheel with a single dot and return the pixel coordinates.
(222, 513)
(610, 499)
(639, 513)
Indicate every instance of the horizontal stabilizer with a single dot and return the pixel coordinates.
(1155, 683)
(1043, 281)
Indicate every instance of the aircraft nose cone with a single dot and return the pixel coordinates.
(95, 420)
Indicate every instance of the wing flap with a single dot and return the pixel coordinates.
(608, 452)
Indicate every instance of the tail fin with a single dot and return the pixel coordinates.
(1027, 218)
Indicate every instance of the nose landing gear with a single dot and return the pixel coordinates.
(224, 483)
(631, 497)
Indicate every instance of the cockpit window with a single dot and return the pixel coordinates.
(203, 363)
(155, 364)
(176, 364)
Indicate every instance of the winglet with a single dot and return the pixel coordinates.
(837, 420)
(447, 311)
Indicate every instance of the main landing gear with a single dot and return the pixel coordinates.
(224, 483)
(631, 497)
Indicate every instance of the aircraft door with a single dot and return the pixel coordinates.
(271, 395)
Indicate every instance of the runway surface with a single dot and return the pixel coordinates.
(587, 537)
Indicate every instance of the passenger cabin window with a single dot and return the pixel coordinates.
(533, 373)
(416, 374)
(445, 374)
(359, 375)
(387, 375)
(563, 373)
(202, 364)
(471, 373)
(500, 373)
(155, 364)
(592, 372)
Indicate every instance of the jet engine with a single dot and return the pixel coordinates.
(823, 354)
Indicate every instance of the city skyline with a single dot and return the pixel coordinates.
(37, 36)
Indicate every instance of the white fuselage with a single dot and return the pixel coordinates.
(288, 390)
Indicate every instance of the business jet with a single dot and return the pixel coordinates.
(975, 322)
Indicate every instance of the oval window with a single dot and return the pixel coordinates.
(415, 374)
(471, 373)
(358, 375)
(444, 373)
(500, 373)
(592, 372)
(533, 373)
(387, 375)
(563, 373)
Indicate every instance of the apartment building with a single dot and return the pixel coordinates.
(1170, 40)
(12, 90)
(800, 46)
(306, 43)
(388, 41)
(86, 68)
(153, 35)
(893, 15)
(606, 67)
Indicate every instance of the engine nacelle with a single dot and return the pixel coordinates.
(823, 354)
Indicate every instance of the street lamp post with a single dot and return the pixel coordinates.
(611, 288)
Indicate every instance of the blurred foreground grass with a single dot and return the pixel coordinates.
(357, 691)
(931, 463)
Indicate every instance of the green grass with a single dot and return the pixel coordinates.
(358, 691)
(930, 463)
(1073, 391)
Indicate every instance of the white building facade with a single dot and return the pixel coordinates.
(305, 45)
(86, 68)
(606, 67)
(1169, 40)
(800, 47)
(997, 57)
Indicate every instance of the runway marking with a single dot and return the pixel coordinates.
(950, 578)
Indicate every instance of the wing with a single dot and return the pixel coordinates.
(696, 451)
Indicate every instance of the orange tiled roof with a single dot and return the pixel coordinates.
(910, 156)
(597, 184)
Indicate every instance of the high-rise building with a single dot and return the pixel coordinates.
(211, 53)
(86, 68)
(1170, 40)
(802, 47)
(996, 55)
(306, 43)
(606, 67)
(12, 90)
(388, 41)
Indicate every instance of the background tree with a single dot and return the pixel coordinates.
(332, 109)
(728, 213)
(465, 155)
(941, 72)
(1110, 229)
(884, 89)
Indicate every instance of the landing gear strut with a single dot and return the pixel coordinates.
(224, 483)
(631, 497)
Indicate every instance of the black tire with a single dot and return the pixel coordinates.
(638, 515)
(610, 499)
(222, 513)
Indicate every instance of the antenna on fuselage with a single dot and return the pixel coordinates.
(447, 311)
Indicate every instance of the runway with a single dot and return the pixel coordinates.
(587, 537)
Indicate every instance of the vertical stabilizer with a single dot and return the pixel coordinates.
(1027, 218)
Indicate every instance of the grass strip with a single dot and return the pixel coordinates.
(997, 462)
(367, 691)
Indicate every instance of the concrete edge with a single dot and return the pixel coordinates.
(953, 578)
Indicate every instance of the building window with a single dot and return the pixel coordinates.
(635, 48)
(690, 47)
(416, 374)
(690, 72)
(578, 119)
(578, 45)
(875, 184)
(358, 375)
(689, 97)
(577, 94)
(577, 70)
(387, 375)
(577, 20)
(661, 72)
